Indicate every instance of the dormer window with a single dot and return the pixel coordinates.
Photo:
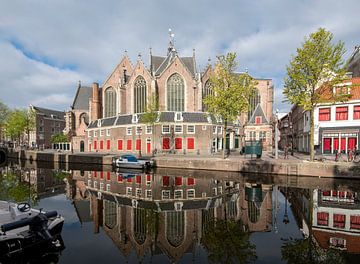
(178, 116)
(99, 123)
(135, 119)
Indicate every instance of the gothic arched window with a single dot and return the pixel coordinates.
(175, 228)
(253, 102)
(110, 214)
(139, 95)
(110, 102)
(140, 229)
(207, 90)
(175, 93)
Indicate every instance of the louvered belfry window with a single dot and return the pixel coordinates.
(110, 102)
(175, 93)
(139, 95)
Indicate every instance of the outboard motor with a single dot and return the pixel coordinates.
(38, 225)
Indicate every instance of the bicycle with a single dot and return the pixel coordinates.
(338, 155)
(354, 155)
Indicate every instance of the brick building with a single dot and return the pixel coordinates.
(48, 122)
(182, 126)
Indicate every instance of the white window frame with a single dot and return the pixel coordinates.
(138, 192)
(214, 191)
(189, 191)
(129, 131)
(180, 131)
(149, 193)
(108, 132)
(214, 130)
(148, 130)
(167, 131)
(101, 132)
(178, 116)
(89, 134)
(138, 130)
(165, 194)
(89, 183)
(203, 128)
(189, 132)
(108, 187)
(135, 119)
(220, 190)
(101, 186)
(129, 191)
(95, 184)
(95, 133)
(178, 194)
(220, 130)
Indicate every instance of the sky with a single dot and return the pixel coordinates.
(47, 46)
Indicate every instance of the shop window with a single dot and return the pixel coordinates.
(355, 222)
(327, 145)
(178, 143)
(339, 220)
(120, 144)
(190, 143)
(342, 113)
(129, 144)
(166, 143)
(356, 111)
(323, 218)
(324, 114)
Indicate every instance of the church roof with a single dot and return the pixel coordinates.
(354, 62)
(81, 100)
(49, 112)
(159, 64)
(258, 112)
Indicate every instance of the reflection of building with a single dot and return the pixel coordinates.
(336, 219)
(169, 214)
(47, 123)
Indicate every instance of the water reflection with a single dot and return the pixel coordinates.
(183, 216)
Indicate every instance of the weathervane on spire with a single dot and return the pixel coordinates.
(171, 42)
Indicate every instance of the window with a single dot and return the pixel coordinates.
(203, 128)
(108, 132)
(166, 143)
(165, 194)
(95, 133)
(178, 181)
(258, 120)
(190, 143)
(101, 186)
(148, 193)
(165, 129)
(41, 129)
(175, 93)
(191, 193)
(138, 144)
(337, 242)
(129, 144)
(355, 222)
(89, 183)
(356, 112)
(190, 181)
(324, 114)
(128, 190)
(129, 131)
(253, 103)
(95, 145)
(178, 143)
(262, 134)
(165, 181)
(207, 90)
(138, 130)
(148, 129)
(220, 190)
(108, 187)
(101, 132)
(108, 143)
(178, 129)
(322, 218)
(120, 144)
(95, 184)
(214, 129)
(219, 130)
(110, 102)
(89, 134)
(148, 179)
(119, 177)
(178, 116)
(139, 95)
(138, 192)
(101, 144)
(342, 113)
(339, 220)
(191, 129)
(178, 194)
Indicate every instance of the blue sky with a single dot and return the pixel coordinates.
(46, 47)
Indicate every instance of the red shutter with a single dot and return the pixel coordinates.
(351, 143)
(327, 144)
(190, 143)
(166, 143)
(356, 112)
(108, 144)
(343, 144)
(178, 181)
(95, 144)
(190, 181)
(138, 144)
(178, 143)
(138, 179)
(129, 179)
(129, 144)
(101, 144)
(336, 143)
(119, 178)
(108, 175)
(120, 144)
(94, 174)
(148, 177)
(166, 181)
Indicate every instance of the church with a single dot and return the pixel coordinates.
(114, 119)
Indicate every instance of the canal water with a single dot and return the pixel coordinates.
(181, 216)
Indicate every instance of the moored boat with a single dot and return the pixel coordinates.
(131, 162)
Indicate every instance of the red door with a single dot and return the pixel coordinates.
(327, 145)
(336, 144)
(166, 143)
(351, 143)
(343, 144)
(148, 147)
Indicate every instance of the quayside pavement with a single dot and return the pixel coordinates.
(324, 166)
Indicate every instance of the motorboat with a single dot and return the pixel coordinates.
(23, 229)
(131, 162)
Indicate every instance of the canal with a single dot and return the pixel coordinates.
(181, 216)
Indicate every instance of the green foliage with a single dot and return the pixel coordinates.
(227, 242)
(4, 113)
(231, 91)
(317, 62)
(151, 113)
(15, 124)
(298, 251)
(12, 188)
(59, 138)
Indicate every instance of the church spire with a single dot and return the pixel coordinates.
(171, 47)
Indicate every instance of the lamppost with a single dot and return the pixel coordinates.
(139, 133)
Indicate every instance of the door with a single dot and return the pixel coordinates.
(336, 144)
(148, 146)
(351, 143)
(327, 145)
(82, 146)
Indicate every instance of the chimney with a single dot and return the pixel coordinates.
(95, 104)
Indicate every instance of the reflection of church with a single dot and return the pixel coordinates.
(113, 113)
(168, 214)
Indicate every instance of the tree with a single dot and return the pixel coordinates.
(30, 121)
(59, 138)
(227, 242)
(4, 114)
(151, 115)
(318, 63)
(15, 124)
(231, 92)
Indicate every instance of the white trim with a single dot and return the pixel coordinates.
(189, 132)
(180, 132)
